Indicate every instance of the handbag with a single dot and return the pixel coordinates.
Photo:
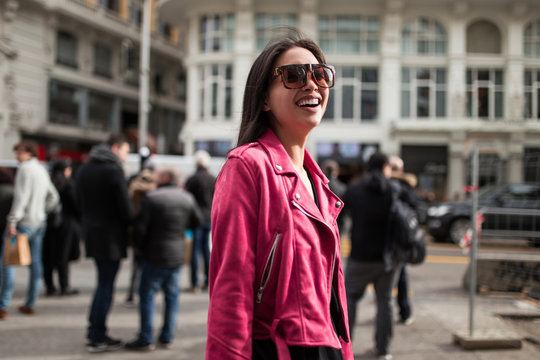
(17, 250)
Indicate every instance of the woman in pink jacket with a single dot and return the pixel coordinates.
(276, 281)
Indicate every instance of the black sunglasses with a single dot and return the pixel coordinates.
(295, 76)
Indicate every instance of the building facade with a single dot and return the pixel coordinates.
(425, 79)
(70, 76)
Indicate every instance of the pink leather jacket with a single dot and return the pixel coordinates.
(275, 256)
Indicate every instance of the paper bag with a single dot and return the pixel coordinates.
(17, 250)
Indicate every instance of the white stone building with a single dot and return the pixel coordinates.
(69, 75)
(426, 79)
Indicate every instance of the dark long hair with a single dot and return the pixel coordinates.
(255, 120)
(58, 176)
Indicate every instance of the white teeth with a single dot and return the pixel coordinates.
(305, 102)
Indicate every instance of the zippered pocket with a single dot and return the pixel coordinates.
(267, 270)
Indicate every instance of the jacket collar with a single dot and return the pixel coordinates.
(281, 162)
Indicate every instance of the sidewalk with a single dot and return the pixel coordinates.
(57, 330)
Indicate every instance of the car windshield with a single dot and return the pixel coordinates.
(485, 192)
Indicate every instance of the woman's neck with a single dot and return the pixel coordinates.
(295, 147)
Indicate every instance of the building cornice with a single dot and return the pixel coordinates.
(476, 126)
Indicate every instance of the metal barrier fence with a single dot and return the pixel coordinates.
(511, 223)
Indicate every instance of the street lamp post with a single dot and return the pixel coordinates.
(144, 104)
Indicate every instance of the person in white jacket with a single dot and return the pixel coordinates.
(34, 196)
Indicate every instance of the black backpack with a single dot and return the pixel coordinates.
(407, 238)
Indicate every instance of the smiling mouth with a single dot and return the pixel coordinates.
(314, 102)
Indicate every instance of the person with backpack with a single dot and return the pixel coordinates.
(404, 184)
(368, 202)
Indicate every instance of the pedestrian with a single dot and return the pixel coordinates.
(34, 196)
(201, 185)
(368, 203)
(330, 168)
(106, 213)
(404, 184)
(276, 285)
(159, 231)
(139, 186)
(61, 243)
(6, 200)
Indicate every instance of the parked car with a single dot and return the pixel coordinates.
(510, 211)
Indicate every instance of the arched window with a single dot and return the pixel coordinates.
(423, 36)
(531, 39)
(483, 37)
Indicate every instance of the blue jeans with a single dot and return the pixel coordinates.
(403, 296)
(358, 275)
(103, 295)
(153, 279)
(201, 245)
(35, 240)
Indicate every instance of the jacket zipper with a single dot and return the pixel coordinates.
(322, 222)
(335, 248)
(267, 266)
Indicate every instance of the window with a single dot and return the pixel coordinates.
(181, 87)
(214, 148)
(66, 49)
(216, 91)
(349, 34)
(100, 111)
(102, 60)
(532, 94)
(217, 33)
(130, 63)
(531, 164)
(109, 4)
(160, 86)
(166, 124)
(423, 92)
(531, 39)
(423, 36)
(485, 93)
(354, 95)
(135, 12)
(266, 26)
(483, 37)
(164, 29)
(64, 102)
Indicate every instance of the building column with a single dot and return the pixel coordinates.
(456, 165)
(9, 106)
(244, 43)
(456, 62)
(514, 70)
(193, 100)
(390, 72)
(307, 20)
(514, 163)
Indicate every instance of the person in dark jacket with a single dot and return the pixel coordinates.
(62, 237)
(201, 185)
(368, 202)
(139, 186)
(330, 168)
(106, 213)
(6, 199)
(159, 233)
(404, 184)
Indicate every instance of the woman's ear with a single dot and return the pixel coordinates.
(266, 107)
